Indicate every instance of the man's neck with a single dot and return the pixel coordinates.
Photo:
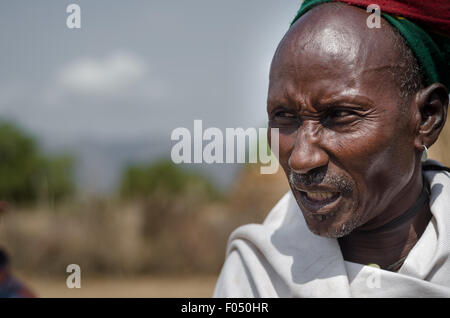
(386, 246)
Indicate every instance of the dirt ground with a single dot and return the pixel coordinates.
(140, 287)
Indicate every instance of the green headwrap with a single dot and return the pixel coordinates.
(432, 50)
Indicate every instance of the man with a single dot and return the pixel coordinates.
(356, 108)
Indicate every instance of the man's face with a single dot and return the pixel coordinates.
(345, 143)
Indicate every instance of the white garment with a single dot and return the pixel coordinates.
(282, 258)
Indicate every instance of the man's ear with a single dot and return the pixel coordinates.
(432, 105)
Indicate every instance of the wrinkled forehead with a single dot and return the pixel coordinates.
(334, 43)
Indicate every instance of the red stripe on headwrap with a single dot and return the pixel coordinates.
(433, 14)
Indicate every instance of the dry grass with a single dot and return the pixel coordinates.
(162, 235)
(117, 287)
(161, 247)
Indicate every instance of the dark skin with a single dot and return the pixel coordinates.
(348, 142)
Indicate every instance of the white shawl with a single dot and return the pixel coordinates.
(282, 258)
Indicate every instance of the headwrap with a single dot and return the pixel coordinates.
(424, 24)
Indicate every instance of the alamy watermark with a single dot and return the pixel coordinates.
(226, 148)
(73, 21)
(374, 19)
(74, 279)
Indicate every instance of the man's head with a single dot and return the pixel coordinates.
(353, 116)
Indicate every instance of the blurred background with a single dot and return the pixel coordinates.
(85, 122)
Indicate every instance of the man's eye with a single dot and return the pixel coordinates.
(284, 118)
(340, 113)
(285, 115)
(340, 117)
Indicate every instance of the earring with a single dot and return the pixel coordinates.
(424, 154)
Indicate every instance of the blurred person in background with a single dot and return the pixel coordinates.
(356, 108)
(10, 287)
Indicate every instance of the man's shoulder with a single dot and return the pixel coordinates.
(284, 217)
(433, 166)
(436, 173)
(280, 210)
(278, 214)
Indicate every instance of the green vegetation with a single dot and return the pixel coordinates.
(142, 180)
(25, 174)
(58, 175)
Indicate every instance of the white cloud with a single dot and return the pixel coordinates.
(111, 75)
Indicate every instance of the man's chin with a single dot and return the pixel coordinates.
(334, 220)
(330, 229)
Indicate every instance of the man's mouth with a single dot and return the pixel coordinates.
(320, 205)
(320, 196)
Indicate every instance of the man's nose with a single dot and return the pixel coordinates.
(308, 153)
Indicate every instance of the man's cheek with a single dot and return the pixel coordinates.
(362, 155)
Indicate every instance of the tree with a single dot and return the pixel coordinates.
(57, 177)
(141, 180)
(25, 174)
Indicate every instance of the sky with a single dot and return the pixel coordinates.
(113, 91)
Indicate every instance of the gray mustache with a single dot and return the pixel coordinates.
(320, 177)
